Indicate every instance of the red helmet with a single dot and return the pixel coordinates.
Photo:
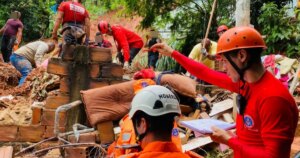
(222, 28)
(239, 38)
(103, 27)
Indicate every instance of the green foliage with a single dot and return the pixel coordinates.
(94, 8)
(280, 29)
(256, 11)
(35, 16)
(165, 63)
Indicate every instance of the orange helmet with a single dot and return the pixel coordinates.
(239, 38)
(103, 27)
(222, 28)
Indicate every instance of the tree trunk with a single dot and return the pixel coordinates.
(242, 13)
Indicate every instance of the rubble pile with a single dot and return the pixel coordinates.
(15, 110)
(37, 83)
(9, 77)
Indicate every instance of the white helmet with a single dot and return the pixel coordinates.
(155, 100)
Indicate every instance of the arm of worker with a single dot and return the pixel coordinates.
(19, 35)
(276, 129)
(123, 44)
(58, 21)
(40, 52)
(198, 69)
(87, 25)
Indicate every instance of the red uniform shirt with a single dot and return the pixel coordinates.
(126, 39)
(73, 12)
(268, 126)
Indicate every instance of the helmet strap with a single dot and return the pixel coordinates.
(237, 69)
(240, 71)
(241, 100)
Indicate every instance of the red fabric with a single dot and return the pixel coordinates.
(159, 150)
(270, 61)
(73, 11)
(144, 74)
(270, 117)
(12, 26)
(126, 39)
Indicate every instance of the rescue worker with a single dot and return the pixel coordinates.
(72, 13)
(206, 56)
(127, 41)
(267, 113)
(127, 142)
(152, 55)
(12, 35)
(153, 110)
(29, 56)
(221, 29)
(100, 41)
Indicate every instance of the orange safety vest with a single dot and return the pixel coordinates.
(127, 138)
(142, 83)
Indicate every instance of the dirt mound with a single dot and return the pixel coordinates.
(9, 76)
(36, 85)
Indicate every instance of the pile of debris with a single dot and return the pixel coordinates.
(9, 77)
(15, 101)
(15, 110)
(35, 87)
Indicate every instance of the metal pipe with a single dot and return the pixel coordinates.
(62, 109)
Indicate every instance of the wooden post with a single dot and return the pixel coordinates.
(79, 80)
(208, 26)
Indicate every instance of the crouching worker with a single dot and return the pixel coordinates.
(153, 110)
(30, 56)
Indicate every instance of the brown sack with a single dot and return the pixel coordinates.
(181, 84)
(108, 103)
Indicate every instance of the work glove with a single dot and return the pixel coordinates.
(126, 65)
(204, 52)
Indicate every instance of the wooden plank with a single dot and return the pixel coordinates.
(6, 152)
(228, 117)
(100, 55)
(196, 142)
(57, 66)
(221, 107)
